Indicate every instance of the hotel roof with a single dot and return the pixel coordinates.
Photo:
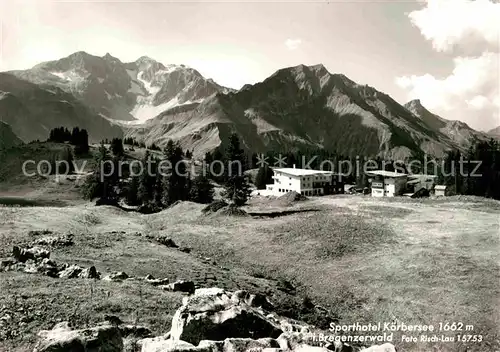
(386, 173)
(301, 172)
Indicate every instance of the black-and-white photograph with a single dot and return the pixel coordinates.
(249, 176)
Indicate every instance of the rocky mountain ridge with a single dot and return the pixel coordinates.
(136, 90)
(32, 111)
(301, 107)
(494, 132)
(307, 107)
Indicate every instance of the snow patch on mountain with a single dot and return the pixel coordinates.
(68, 76)
(61, 75)
(152, 90)
(145, 111)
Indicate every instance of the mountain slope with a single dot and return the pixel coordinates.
(455, 133)
(123, 91)
(299, 107)
(494, 132)
(7, 137)
(32, 111)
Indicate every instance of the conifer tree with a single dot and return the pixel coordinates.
(263, 177)
(117, 147)
(202, 191)
(104, 182)
(237, 188)
(176, 184)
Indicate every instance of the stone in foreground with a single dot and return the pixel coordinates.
(215, 314)
(116, 276)
(386, 347)
(180, 286)
(62, 338)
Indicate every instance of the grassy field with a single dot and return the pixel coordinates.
(365, 260)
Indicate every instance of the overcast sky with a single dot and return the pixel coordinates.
(444, 52)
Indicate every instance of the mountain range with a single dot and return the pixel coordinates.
(301, 107)
(495, 132)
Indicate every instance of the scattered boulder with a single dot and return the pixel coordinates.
(163, 344)
(45, 267)
(166, 241)
(180, 286)
(291, 340)
(7, 263)
(253, 300)
(55, 241)
(339, 347)
(239, 344)
(136, 331)
(157, 282)
(116, 276)
(62, 338)
(33, 253)
(16, 267)
(213, 314)
(90, 273)
(185, 249)
(386, 347)
(71, 272)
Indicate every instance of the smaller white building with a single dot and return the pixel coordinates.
(440, 190)
(387, 183)
(304, 181)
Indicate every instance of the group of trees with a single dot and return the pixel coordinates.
(116, 147)
(158, 182)
(476, 172)
(155, 189)
(133, 142)
(77, 137)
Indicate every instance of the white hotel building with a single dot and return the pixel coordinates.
(304, 181)
(387, 183)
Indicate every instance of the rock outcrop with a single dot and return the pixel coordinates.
(55, 241)
(180, 286)
(62, 339)
(210, 320)
(116, 276)
(33, 253)
(215, 314)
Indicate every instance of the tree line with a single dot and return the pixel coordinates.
(77, 137)
(152, 190)
(457, 169)
(475, 172)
